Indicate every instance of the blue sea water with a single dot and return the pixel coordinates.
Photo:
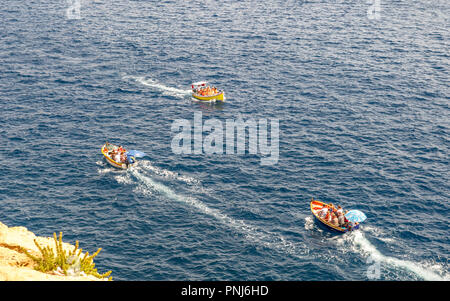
(362, 101)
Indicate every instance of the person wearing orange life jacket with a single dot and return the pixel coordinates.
(330, 210)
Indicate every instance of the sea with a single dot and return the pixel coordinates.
(358, 93)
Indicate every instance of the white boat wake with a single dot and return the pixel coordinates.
(146, 185)
(358, 243)
(171, 91)
(148, 166)
(435, 272)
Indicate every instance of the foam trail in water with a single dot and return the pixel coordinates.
(165, 89)
(267, 239)
(309, 223)
(379, 234)
(147, 166)
(361, 241)
(124, 179)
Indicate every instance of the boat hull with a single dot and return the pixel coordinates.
(216, 97)
(114, 163)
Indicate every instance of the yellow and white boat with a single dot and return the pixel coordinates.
(203, 92)
(316, 206)
(109, 150)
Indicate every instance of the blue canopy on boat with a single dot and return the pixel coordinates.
(356, 216)
(136, 154)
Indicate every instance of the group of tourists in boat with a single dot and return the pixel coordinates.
(204, 92)
(336, 216)
(117, 154)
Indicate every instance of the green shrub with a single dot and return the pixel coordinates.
(49, 261)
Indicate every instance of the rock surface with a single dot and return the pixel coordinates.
(17, 266)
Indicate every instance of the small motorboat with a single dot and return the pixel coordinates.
(203, 92)
(117, 156)
(316, 206)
